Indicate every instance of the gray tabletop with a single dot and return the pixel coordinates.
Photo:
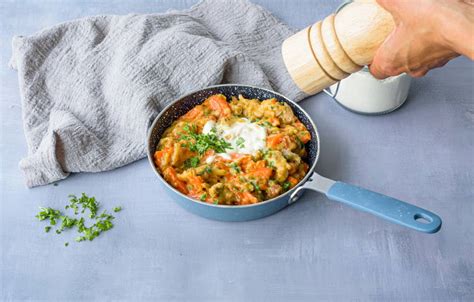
(312, 250)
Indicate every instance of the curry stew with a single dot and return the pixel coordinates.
(234, 153)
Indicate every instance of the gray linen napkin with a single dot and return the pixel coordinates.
(91, 87)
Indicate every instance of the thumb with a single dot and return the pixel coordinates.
(384, 63)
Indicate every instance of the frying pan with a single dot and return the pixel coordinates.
(385, 207)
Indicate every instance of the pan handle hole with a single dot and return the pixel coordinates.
(423, 218)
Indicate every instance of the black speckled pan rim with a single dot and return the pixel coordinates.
(197, 97)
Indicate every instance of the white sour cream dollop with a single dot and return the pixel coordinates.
(244, 136)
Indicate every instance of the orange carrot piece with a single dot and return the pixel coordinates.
(219, 103)
(246, 198)
(274, 121)
(171, 177)
(162, 156)
(193, 114)
(264, 173)
(293, 181)
(274, 140)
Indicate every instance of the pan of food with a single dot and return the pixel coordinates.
(237, 153)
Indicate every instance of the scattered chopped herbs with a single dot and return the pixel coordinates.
(86, 203)
(203, 142)
(216, 202)
(100, 223)
(203, 197)
(286, 185)
(66, 243)
(192, 162)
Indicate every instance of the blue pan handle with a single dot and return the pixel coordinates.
(380, 205)
(388, 208)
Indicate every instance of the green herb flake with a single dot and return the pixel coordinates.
(286, 185)
(47, 228)
(192, 162)
(66, 243)
(203, 197)
(117, 209)
(240, 142)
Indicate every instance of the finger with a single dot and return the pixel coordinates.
(385, 63)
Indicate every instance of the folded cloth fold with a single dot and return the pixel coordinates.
(90, 88)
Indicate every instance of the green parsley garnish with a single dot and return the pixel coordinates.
(192, 162)
(101, 223)
(240, 142)
(48, 213)
(203, 197)
(286, 185)
(66, 243)
(85, 202)
(200, 143)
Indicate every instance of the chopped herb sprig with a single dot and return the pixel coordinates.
(200, 143)
(101, 223)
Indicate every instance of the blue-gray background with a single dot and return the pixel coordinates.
(313, 250)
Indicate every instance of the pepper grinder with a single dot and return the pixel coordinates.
(331, 49)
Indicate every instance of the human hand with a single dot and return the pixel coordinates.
(427, 35)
